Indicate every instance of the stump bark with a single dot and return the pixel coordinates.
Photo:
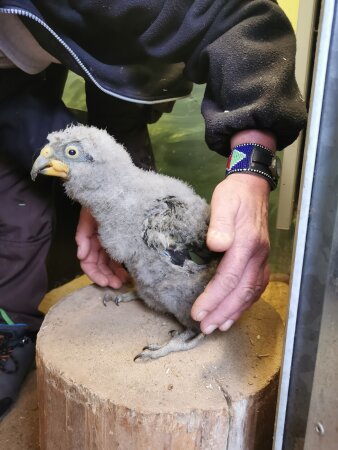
(220, 395)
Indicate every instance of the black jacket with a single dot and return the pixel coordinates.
(150, 51)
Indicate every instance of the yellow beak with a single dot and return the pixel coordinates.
(46, 165)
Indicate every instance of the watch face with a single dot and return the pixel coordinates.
(276, 167)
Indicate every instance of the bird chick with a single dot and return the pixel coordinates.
(154, 224)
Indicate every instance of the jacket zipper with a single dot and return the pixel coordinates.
(24, 13)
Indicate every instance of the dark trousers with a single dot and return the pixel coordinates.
(25, 235)
(30, 108)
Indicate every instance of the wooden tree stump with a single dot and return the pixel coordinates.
(220, 395)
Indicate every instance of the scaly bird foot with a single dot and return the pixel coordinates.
(119, 298)
(179, 342)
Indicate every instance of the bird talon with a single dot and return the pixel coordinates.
(143, 356)
(152, 347)
(105, 299)
(117, 299)
(137, 357)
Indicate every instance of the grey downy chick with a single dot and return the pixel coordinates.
(154, 224)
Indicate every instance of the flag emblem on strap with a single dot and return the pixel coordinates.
(236, 157)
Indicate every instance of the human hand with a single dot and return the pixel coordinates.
(94, 260)
(238, 227)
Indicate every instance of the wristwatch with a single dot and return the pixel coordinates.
(256, 159)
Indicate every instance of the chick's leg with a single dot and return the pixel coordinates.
(119, 298)
(179, 342)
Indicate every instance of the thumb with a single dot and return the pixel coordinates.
(224, 207)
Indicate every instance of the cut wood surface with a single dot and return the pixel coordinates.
(219, 395)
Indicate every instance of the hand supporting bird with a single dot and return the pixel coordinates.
(94, 260)
(238, 226)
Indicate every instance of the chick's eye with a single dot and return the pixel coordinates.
(71, 151)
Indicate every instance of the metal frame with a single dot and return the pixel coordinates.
(321, 431)
(315, 228)
(322, 424)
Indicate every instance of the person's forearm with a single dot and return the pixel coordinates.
(255, 136)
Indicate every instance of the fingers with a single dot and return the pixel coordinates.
(97, 266)
(94, 273)
(220, 237)
(242, 231)
(86, 229)
(225, 280)
(119, 270)
(249, 289)
(94, 260)
(239, 281)
(262, 282)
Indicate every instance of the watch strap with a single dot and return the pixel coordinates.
(252, 158)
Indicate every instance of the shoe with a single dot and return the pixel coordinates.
(17, 355)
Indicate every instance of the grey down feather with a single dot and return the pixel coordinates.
(154, 224)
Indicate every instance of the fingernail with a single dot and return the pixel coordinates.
(210, 328)
(226, 325)
(201, 314)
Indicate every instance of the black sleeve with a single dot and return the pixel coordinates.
(244, 50)
(249, 69)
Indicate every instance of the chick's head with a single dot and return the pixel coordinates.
(80, 154)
